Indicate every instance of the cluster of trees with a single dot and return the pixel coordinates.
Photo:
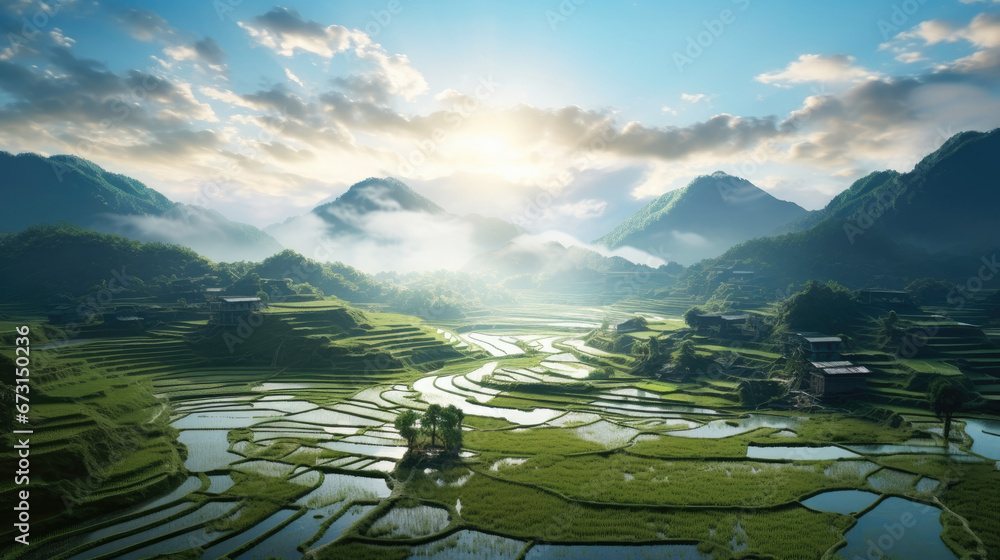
(827, 307)
(435, 421)
(652, 355)
(35, 263)
(930, 291)
(686, 359)
(649, 357)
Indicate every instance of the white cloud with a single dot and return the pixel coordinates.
(539, 241)
(385, 240)
(931, 32)
(293, 77)
(983, 32)
(836, 68)
(583, 209)
(226, 97)
(909, 57)
(696, 97)
(181, 52)
(286, 33)
(58, 38)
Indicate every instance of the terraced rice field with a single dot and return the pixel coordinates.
(555, 463)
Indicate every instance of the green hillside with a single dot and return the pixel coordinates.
(935, 220)
(71, 189)
(703, 219)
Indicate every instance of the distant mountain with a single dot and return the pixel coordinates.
(937, 220)
(383, 224)
(373, 195)
(703, 219)
(71, 189)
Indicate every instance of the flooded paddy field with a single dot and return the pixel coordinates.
(565, 455)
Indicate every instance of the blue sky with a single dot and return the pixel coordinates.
(559, 115)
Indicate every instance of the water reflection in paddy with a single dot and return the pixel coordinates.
(205, 513)
(725, 428)
(284, 544)
(223, 419)
(250, 534)
(799, 453)
(607, 552)
(897, 528)
(469, 545)
(841, 501)
(207, 449)
(984, 443)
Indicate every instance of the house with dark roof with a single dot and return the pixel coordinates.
(818, 347)
(230, 309)
(721, 324)
(837, 378)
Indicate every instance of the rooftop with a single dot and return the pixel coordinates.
(240, 299)
(822, 338)
(824, 365)
(846, 370)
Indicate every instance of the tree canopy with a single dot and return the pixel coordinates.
(947, 395)
(827, 307)
(430, 421)
(406, 423)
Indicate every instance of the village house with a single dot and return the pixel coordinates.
(721, 324)
(213, 294)
(832, 379)
(230, 309)
(818, 347)
(125, 320)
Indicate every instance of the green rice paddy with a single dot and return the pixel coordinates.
(288, 444)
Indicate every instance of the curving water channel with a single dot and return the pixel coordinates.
(894, 527)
